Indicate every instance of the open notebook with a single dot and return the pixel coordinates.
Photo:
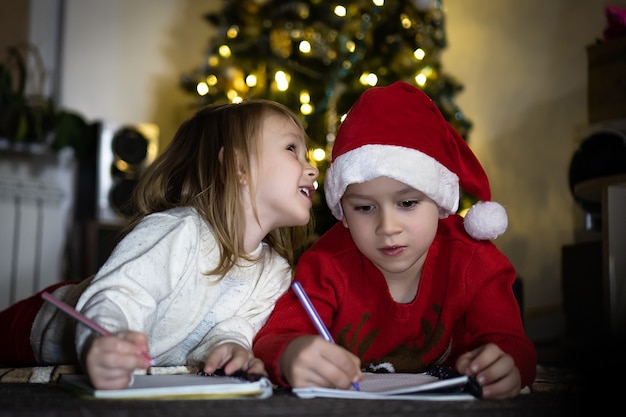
(398, 386)
(183, 386)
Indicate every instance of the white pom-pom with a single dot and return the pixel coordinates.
(486, 220)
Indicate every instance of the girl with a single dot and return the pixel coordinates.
(402, 282)
(207, 255)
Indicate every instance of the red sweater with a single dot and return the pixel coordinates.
(464, 300)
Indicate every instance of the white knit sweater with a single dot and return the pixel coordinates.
(154, 282)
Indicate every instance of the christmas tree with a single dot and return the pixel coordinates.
(317, 57)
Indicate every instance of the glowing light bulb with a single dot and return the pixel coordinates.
(202, 88)
(224, 51)
(239, 84)
(405, 21)
(251, 80)
(232, 32)
(319, 154)
(232, 95)
(282, 80)
(340, 11)
(211, 80)
(368, 78)
(305, 47)
(306, 109)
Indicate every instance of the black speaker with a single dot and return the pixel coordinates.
(124, 152)
(602, 153)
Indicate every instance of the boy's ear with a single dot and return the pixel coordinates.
(343, 217)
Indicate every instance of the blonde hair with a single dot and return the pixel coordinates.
(191, 172)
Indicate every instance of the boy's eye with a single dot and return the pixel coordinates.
(407, 204)
(291, 148)
(363, 208)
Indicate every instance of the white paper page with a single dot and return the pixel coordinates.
(153, 386)
(393, 386)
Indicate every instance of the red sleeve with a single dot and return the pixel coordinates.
(324, 284)
(493, 314)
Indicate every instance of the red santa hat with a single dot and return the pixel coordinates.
(398, 132)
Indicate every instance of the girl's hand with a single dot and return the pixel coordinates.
(233, 357)
(312, 361)
(494, 370)
(111, 360)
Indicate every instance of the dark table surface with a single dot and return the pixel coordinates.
(51, 399)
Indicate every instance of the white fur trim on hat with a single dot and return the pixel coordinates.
(406, 165)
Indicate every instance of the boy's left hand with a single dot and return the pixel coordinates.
(494, 370)
(232, 357)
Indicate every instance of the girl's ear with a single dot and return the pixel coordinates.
(242, 176)
(242, 171)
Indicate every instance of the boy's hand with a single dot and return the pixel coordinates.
(233, 357)
(312, 361)
(111, 360)
(494, 370)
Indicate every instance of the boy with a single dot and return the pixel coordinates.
(402, 282)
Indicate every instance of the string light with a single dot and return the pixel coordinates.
(251, 80)
(232, 95)
(340, 11)
(224, 51)
(420, 79)
(202, 88)
(405, 21)
(316, 57)
(239, 84)
(306, 109)
(232, 32)
(305, 47)
(368, 78)
(325, 49)
(282, 80)
(318, 154)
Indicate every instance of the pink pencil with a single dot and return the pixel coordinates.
(75, 314)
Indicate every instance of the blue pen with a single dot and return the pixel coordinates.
(315, 318)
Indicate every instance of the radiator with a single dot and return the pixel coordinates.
(36, 205)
